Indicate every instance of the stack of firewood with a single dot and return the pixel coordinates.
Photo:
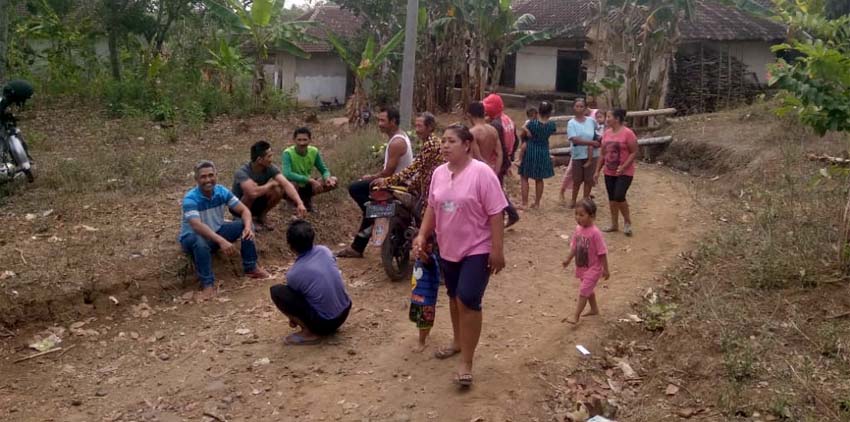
(708, 80)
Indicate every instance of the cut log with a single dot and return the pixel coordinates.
(657, 140)
(636, 113)
(838, 161)
(647, 113)
(559, 152)
(566, 118)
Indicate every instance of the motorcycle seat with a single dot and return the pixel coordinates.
(406, 199)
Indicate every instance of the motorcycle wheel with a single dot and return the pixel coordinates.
(395, 251)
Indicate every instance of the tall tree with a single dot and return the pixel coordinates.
(5, 5)
(835, 9)
(120, 17)
(165, 14)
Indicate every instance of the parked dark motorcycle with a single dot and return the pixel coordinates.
(330, 105)
(397, 221)
(14, 157)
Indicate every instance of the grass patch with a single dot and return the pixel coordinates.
(353, 157)
(110, 170)
(762, 302)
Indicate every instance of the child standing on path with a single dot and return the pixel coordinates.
(536, 163)
(423, 299)
(591, 255)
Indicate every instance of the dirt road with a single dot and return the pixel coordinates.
(181, 361)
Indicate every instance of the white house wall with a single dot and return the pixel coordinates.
(755, 54)
(322, 77)
(536, 68)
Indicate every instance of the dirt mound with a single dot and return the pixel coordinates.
(102, 218)
(746, 141)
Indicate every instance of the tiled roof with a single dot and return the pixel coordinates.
(716, 22)
(330, 17)
(713, 21)
(569, 17)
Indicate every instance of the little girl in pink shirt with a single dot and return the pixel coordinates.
(591, 255)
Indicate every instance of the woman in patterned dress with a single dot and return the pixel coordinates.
(534, 158)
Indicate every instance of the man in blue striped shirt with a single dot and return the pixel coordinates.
(204, 230)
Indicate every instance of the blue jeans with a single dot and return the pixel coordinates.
(202, 249)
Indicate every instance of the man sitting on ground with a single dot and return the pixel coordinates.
(261, 186)
(204, 230)
(299, 161)
(314, 297)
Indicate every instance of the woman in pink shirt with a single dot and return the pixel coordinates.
(619, 151)
(465, 207)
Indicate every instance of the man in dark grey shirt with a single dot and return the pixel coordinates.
(261, 186)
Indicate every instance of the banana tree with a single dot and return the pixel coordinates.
(258, 23)
(229, 63)
(508, 34)
(371, 60)
(642, 32)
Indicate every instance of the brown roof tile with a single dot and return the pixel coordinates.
(568, 16)
(330, 17)
(713, 21)
(716, 22)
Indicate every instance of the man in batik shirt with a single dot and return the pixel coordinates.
(417, 176)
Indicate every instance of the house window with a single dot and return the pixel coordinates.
(568, 72)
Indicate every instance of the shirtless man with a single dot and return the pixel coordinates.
(486, 145)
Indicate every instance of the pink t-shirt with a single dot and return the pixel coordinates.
(463, 204)
(615, 149)
(588, 245)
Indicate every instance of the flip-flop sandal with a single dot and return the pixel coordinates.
(299, 340)
(610, 229)
(445, 353)
(464, 380)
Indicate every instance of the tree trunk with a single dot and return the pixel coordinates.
(4, 39)
(356, 103)
(259, 85)
(844, 246)
(114, 59)
(498, 68)
(479, 77)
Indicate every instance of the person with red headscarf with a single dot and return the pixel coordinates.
(494, 109)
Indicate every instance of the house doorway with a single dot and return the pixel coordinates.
(568, 72)
(508, 79)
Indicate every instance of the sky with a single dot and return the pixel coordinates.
(288, 3)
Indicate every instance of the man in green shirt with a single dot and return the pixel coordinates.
(298, 163)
